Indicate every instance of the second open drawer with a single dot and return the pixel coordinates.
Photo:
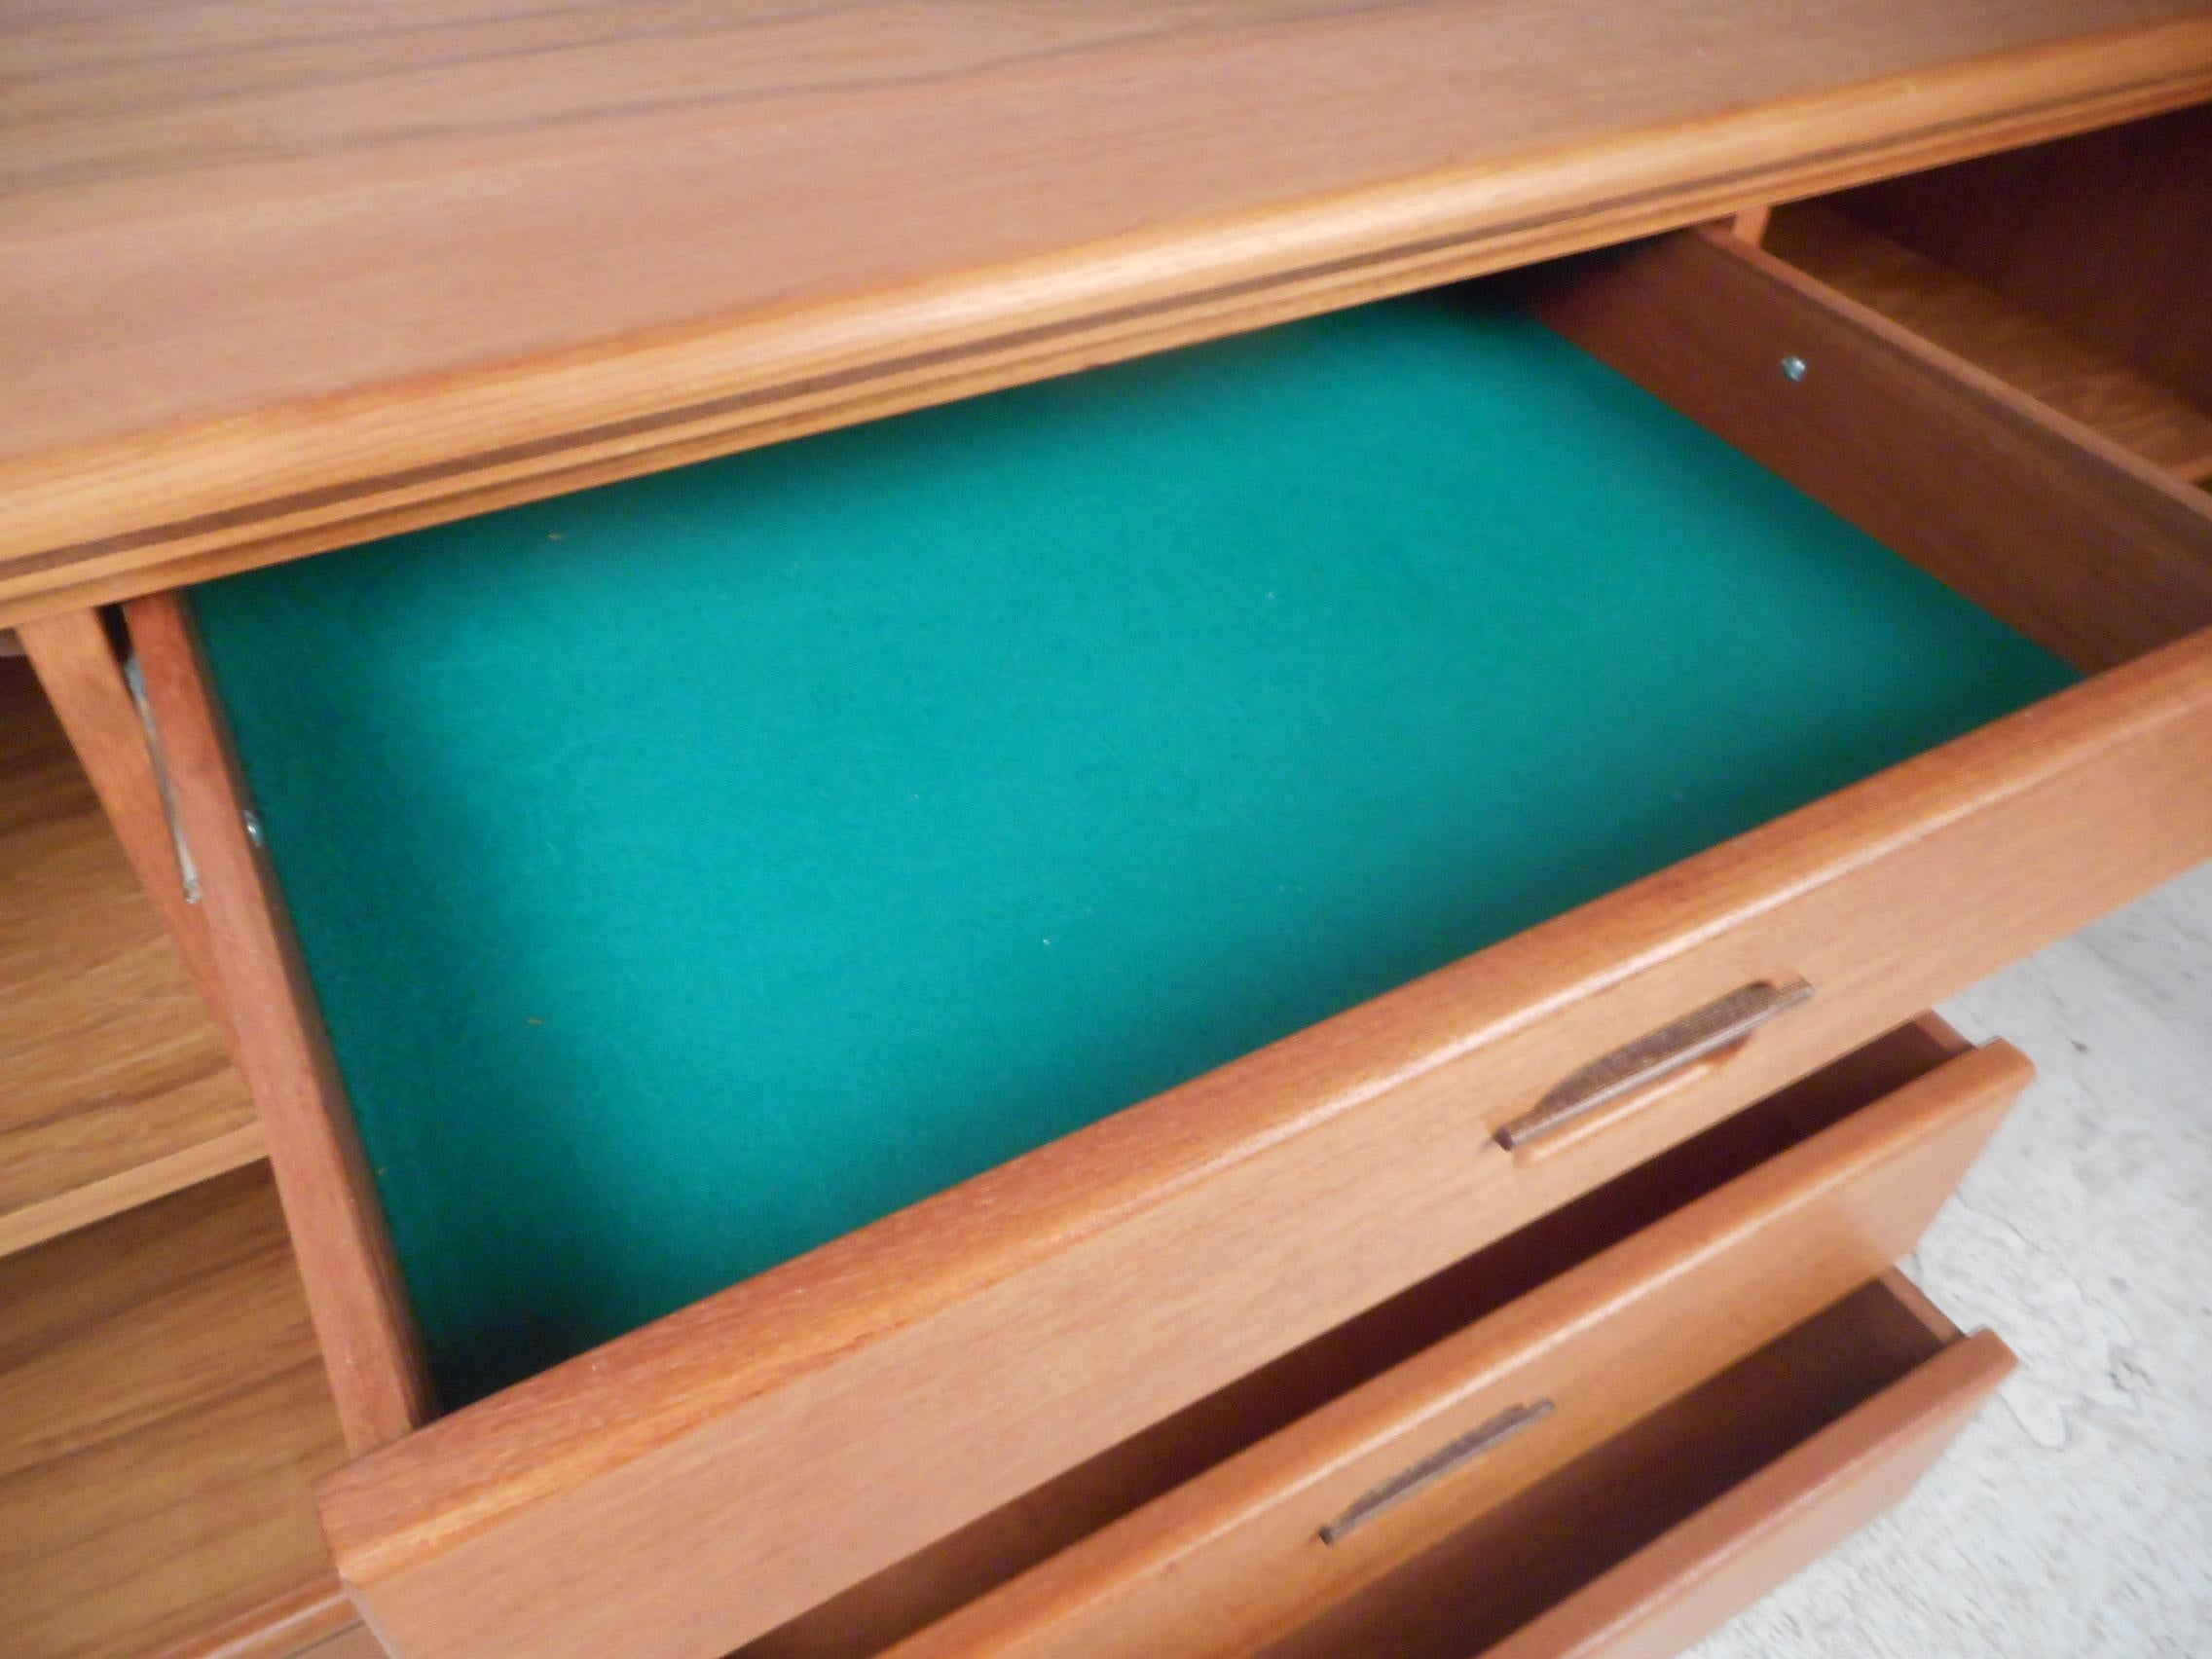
(1656, 1537)
(1400, 1428)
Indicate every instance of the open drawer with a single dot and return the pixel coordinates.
(1549, 1349)
(1011, 919)
(1660, 1536)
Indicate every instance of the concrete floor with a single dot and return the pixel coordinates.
(2074, 1518)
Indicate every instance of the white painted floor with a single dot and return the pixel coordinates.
(2074, 1518)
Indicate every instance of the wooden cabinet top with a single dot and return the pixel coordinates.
(277, 276)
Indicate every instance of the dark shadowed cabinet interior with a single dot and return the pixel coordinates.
(1049, 833)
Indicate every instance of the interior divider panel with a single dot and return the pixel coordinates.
(2072, 539)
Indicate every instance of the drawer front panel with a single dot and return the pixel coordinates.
(1657, 1536)
(1061, 1303)
(1302, 1520)
(1709, 1569)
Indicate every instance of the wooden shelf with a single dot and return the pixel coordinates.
(163, 1409)
(2093, 386)
(114, 1089)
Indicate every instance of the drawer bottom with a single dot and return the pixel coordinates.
(1658, 1536)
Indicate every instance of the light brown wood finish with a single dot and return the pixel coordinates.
(2074, 540)
(355, 1643)
(1059, 1303)
(117, 1089)
(275, 281)
(295, 1622)
(163, 1409)
(361, 1314)
(1237, 1552)
(76, 662)
(2106, 235)
(1000, 1546)
(1650, 1540)
(1668, 1598)
(1750, 223)
(2083, 382)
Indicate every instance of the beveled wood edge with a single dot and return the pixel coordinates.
(2133, 568)
(1917, 1302)
(1923, 1408)
(355, 1641)
(64, 1213)
(77, 666)
(74, 657)
(1750, 225)
(465, 1474)
(363, 1321)
(1971, 1085)
(1946, 1036)
(105, 522)
(283, 1626)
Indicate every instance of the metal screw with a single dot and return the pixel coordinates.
(1793, 368)
(253, 830)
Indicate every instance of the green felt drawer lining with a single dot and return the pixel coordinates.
(697, 869)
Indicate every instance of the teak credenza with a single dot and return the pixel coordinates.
(1087, 831)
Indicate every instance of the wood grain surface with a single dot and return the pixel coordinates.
(2085, 383)
(78, 666)
(1062, 1301)
(1689, 1515)
(939, 1581)
(278, 278)
(312, 1616)
(163, 1409)
(356, 1642)
(2107, 235)
(117, 1089)
(359, 1305)
(1704, 1572)
(2079, 543)
(1216, 1566)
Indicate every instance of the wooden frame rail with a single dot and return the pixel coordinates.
(652, 325)
(361, 1313)
(76, 661)
(2075, 540)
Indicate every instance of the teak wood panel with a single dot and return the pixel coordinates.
(2083, 382)
(356, 1643)
(2074, 540)
(116, 1087)
(2107, 235)
(361, 1314)
(312, 1618)
(277, 283)
(1671, 1595)
(999, 1547)
(1059, 1303)
(1215, 1567)
(1655, 1537)
(163, 1411)
(77, 663)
